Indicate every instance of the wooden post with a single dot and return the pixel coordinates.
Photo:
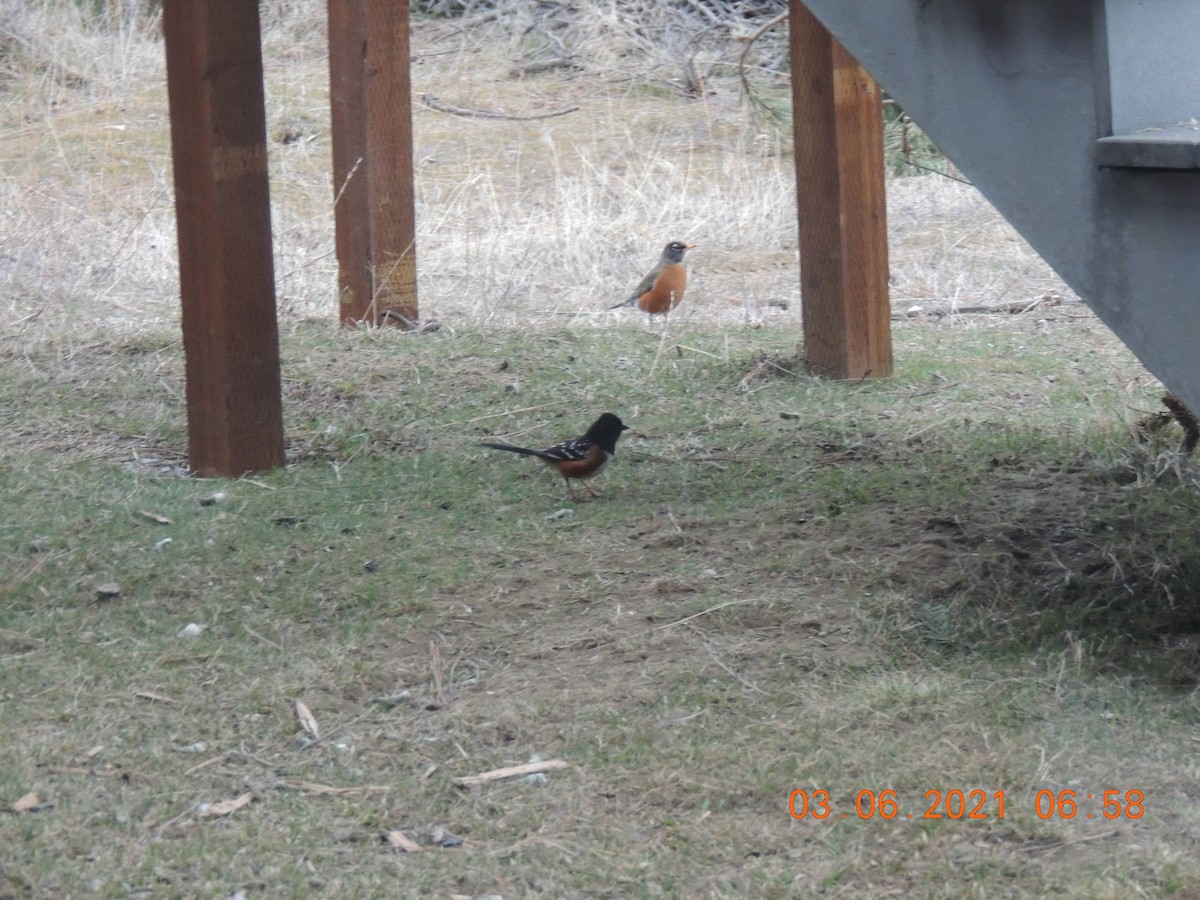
(227, 277)
(838, 122)
(351, 207)
(374, 211)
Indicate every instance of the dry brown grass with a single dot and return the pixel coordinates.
(517, 220)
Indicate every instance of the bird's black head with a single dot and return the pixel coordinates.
(605, 431)
(674, 251)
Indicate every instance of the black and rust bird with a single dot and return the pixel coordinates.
(581, 458)
(662, 289)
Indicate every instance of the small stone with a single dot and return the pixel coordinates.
(440, 837)
(108, 591)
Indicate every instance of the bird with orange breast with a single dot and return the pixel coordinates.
(662, 289)
(581, 458)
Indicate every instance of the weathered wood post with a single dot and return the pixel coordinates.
(374, 211)
(837, 115)
(227, 277)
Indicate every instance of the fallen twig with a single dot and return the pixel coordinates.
(509, 772)
(434, 103)
(1013, 308)
(1058, 845)
(703, 612)
(313, 788)
(398, 840)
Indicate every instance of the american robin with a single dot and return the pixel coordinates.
(661, 290)
(581, 458)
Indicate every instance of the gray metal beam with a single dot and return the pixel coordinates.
(1018, 94)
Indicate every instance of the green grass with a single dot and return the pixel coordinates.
(759, 603)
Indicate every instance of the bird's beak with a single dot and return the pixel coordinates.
(691, 246)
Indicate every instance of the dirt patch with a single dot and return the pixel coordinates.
(1025, 554)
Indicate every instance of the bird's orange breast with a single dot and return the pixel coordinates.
(581, 468)
(666, 291)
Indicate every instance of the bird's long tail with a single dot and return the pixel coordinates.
(632, 300)
(524, 451)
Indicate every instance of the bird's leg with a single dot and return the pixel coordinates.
(571, 489)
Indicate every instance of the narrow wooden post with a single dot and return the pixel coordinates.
(227, 277)
(837, 115)
(351, 202)
(374, 211)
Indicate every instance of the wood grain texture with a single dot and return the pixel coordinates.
(371, 97)
(841, 202)
(218, 143)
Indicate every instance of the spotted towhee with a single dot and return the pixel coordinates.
(581, 458)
